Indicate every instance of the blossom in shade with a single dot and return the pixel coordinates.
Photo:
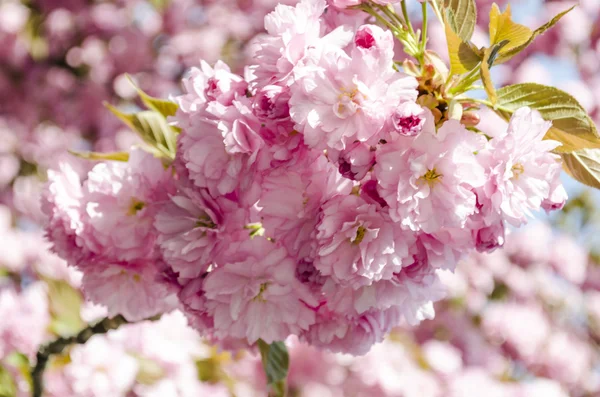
(255, 294)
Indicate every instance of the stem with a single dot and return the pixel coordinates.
(464, 84)
(437, 11)
(407, 19)
(369, 10)
(424, 33)
(387, 10)
(60, 344)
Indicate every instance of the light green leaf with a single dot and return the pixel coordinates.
(276, 361)
(152, 127)
(162, 106)
(570, 123)
(7, 383)
(519, 36)
(583, 165)
(464, 56)
(114, 156)
(65, 304)
(502, 28)
(461, 17)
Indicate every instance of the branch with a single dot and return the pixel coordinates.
(59, 345)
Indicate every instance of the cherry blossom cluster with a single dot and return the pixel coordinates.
(509, 322)
(316, 196)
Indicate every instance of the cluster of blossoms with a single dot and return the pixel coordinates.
(315, 197)
(510, 319)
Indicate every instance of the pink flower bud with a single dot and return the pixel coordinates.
(408, 119)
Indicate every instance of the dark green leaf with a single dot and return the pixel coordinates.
(276, 361)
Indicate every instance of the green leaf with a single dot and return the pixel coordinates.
(570, 123)
(583, 165)
(152, 127)
(502, 28)
(21, 363)
(65, 304)
(461, 17)
(276, 361)
(519, 36)
(162, 106)
(8, 388)
(464, 56)
(114, 156)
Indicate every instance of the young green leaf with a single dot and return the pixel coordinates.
(8, 388)
(162, 106)
(65, 304)
(461, 17)
(276, 361)
(571, 124)
(583, 165)
(502, 28)
(152, 127)
(464, 56)
(111, 156)
(519, 36)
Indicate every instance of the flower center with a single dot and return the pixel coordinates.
(259, 297)
(348, 103)
(205, 221)
(431, 177)
(360, 235)
(135, 206)
(517, 170)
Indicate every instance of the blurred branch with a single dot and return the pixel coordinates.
(60, 344)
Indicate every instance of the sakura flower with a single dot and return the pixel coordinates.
(99, 368)
(131, 290)
(428, 182)
(119, 207)
(26, 319)
(209, 84)
(523, 171)
(357, 245)
(255, 295)
(339, 99)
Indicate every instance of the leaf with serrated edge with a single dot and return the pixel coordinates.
(503, 28)
(461, 16)
(583, 165)
(570, 123)
(517, 45)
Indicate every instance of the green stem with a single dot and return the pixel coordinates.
(407, 19)
(392, 15)
(369, 10)
(437, 11)
(466, 82)
(425, 22)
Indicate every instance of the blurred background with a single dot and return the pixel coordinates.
(522, 321)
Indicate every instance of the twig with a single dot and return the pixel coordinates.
(60, 344)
